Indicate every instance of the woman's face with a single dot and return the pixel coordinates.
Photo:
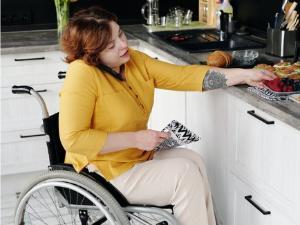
(116, 53)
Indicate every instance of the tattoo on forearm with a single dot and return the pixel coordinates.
(214, 80)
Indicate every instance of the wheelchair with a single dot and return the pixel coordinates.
(63, 196)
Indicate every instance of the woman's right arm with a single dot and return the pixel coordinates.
(144, 140)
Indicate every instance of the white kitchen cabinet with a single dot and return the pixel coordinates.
(264, 155)
(245, 156)
(249, 207)
(21, 113)
(24, 153)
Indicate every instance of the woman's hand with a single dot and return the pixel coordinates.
(255, 77)
(149, 139)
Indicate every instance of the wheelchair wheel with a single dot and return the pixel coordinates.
(63, 197)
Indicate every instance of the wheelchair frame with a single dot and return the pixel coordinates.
(91, 189)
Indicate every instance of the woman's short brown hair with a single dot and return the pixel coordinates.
(87, 34)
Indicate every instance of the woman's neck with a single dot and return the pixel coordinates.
(120, 70)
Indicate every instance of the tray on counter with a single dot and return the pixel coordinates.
(284, 93)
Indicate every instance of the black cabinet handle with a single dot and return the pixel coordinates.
(249, 199)
(32, 135)
(61, 74)
(43, 90)
(252, 113)
(27, 59)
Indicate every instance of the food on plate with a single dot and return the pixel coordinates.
(288, 76)
(219, 59)
(295, 76)
(295, 67)
(297, 63)
(284, 71)
(265, 67)
(282, 64)
(283, 84)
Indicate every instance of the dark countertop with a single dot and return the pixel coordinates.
(46, 40)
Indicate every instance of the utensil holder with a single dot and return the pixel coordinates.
(281, 42)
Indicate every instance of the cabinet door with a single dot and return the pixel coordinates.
(30, 72)
(17, 152)
(206, 116)
(280, 166)
(249, 133)
(248, 207)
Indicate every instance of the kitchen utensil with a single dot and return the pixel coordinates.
(281, 42)
(283, 5)
(279, 18)
(296, 51)
(152, 15)
(224, 25)
(187, 18)
(163, 21)
(289, 14)
(291, 9)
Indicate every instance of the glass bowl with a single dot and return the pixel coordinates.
(245, 57)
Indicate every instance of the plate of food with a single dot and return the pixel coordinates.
(288, 77)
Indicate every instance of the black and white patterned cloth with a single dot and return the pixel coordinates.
(180, 135)
(267, 94)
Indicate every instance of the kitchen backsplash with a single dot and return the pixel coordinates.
(40, 14)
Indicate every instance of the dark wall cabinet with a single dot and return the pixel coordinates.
(40, 14)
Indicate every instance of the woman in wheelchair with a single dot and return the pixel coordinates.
(105, 105)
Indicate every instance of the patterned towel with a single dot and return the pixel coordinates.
(180, 135)
(266, 94)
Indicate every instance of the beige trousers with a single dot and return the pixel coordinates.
(177, 177)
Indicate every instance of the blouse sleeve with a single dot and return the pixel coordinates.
(77, 102)
(175, 77)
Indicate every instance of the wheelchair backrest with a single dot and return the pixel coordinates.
(55, 149)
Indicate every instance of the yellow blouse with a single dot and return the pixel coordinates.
(94, 103)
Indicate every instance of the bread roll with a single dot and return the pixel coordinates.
(219, 59)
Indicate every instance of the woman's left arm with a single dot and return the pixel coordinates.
(220, 78)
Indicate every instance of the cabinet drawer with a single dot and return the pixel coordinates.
(23, 111)
(28, 72)
(32, 74)
(249, 207)
(248, 140)
(32, 58)
(17, 153)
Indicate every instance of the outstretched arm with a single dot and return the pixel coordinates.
(220, 78)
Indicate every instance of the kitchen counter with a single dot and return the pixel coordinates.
(46, 40)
